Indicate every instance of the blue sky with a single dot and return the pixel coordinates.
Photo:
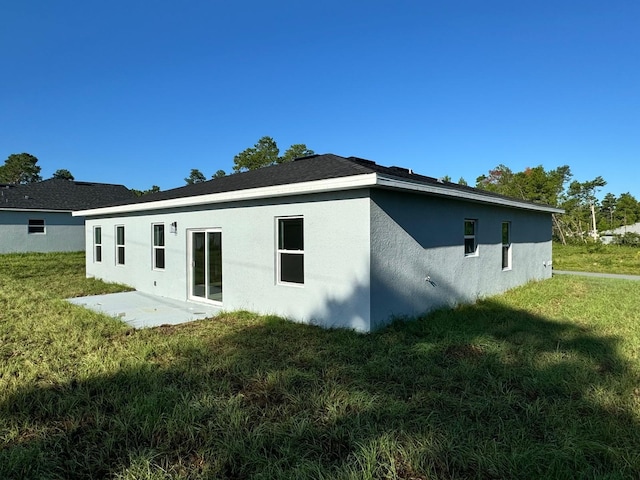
(140, 92)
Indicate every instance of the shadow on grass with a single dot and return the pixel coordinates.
(478, 392)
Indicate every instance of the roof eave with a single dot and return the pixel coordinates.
(28, 209)
(302, 188)
(395, 183)
(317, 186)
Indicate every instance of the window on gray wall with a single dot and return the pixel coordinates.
(291, 250)
(506, 245)
(470, 242)
(158, 246)
(36, 225)
(97, 244)
(120, 245)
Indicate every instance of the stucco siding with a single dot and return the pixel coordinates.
(63, 232)
(335, 292)
(369, 255)
(418, 261)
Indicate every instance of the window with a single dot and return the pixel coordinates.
(35, 226)
(158, 246)
(470, 244)
(120, 245)
(97, 244)
(506, 245)
(291, 250)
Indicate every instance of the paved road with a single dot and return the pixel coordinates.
(593, 274)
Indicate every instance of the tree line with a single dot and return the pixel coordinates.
(263, 154)
(21, 168)
(585, 215)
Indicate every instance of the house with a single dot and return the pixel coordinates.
(36, 217)
(611, 235)
(327, 240)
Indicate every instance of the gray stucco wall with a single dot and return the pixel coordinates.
(417, 236)
(336, 256)
(63, 232)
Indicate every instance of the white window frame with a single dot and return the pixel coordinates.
(473, 237)
(283, 251)
(506, 247)
(120, 246)
(97, 246)
(155, 248)
(36, 229)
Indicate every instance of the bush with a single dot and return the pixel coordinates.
(594, 246)
(629, 239)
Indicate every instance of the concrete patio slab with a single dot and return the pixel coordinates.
(142, 310)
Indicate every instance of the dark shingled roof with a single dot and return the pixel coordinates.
(305, 169)
(63, 195)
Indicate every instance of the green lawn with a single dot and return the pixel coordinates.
(597, 258)
(542, 382)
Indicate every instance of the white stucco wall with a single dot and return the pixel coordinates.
(366, 258)
(336, 256)
(417, 236)
(63, 233)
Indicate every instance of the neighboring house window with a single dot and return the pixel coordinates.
(470, 243)
(291, 250)
(506, 245)
(120, 245)
(36, 226)
(158, 246)
(97, 244)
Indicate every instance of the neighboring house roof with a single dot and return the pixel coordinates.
(634, 228)
(61, 195)
(312, 174)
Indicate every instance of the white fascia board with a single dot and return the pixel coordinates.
(316, 186)
(395, 183)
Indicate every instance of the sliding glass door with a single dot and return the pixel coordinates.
(206, 265)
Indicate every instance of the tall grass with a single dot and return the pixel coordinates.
(596, 257)
(542, 382)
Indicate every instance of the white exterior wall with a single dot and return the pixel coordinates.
(336, 256)
(63, 232)
(418, 236)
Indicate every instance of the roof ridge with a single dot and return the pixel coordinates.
(305, 170)
(60, 194)
(76, 182)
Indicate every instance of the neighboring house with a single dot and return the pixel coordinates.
(36, 217)
(327, 240)
(608, 236)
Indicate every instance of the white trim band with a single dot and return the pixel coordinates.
(317, 186)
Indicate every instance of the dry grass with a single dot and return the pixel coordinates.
(597, 258)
